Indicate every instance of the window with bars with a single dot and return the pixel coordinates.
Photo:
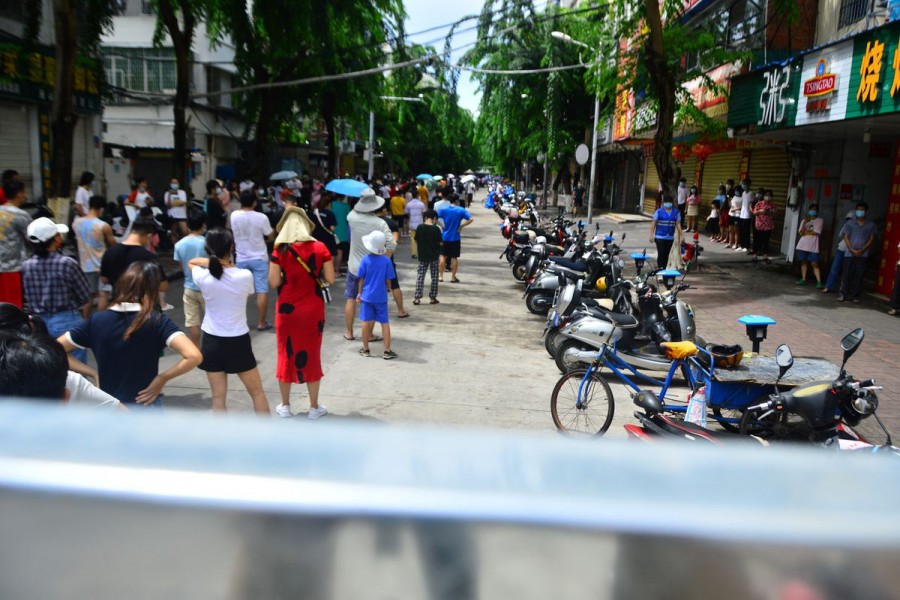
(852, 11)
(146, 7)
(140, 69)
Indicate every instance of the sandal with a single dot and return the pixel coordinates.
(417, 301)
(454, 280)
(434, 301)
(376, 338)
(349, 338)
(892, 312)
(403, 316)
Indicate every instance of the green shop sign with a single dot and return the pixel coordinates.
(765, 100)
(874, 79)
(27, 74)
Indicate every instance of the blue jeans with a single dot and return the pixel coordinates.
(834, 275)
(61, 322)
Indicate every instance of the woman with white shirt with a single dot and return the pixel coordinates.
(83, 194)
(176, 203)
(746, 219)
(734, 217)
(226, 342)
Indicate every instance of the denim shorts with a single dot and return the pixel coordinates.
(372, 311)
(802, 255)
(352, 290)
(260, 270)
(61, 322)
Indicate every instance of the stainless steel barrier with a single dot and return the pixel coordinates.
(191, 506)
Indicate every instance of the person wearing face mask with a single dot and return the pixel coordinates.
(176, 203)
(808, 245)
(764, 222)
(746, 216)
(693, 208)
(858, 234)
(682, 198)
(140, 197)
(666, 221)
(215, 212)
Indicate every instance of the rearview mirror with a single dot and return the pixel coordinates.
(784, 359)
(851, 342)
(623, 236)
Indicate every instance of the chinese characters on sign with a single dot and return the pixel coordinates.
(870, 72)
(775, 96)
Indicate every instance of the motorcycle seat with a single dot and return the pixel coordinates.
(620, 320)
(679, 427)
(604, 303)
(679, 350)
(568, 264)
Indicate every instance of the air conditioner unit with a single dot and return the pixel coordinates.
(348, 146)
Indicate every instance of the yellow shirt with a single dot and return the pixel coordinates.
(398, 206)
(423, 194)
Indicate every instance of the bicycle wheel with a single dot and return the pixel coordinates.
(592, 415)
(776, 426)
(729, 418)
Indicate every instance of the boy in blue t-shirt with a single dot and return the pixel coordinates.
(375, 274)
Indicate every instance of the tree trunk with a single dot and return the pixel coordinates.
(263, 132)
(664, 81)
(63, 117)
(334, 159)
(182, 35)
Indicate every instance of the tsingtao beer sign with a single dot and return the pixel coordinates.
(818, 89)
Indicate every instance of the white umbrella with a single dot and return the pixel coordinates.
(467, 179)
(450, 175)
(282, 175)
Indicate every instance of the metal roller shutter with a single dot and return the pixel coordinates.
(717, 169)
(15, 151)
(771, 169)
(651, 186)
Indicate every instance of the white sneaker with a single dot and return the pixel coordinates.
(284, 411)
(315, 413)
(167, 307)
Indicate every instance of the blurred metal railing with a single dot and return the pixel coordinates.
(190, 506)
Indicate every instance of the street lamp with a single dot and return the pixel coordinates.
(372, 129)
(559, 35)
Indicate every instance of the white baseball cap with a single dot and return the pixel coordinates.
(43, 230)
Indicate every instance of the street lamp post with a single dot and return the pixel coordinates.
(372, 129)
(559, 35)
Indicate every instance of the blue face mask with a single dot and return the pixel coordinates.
(174, 186)
(667, 204)
(860, 214)
(812, 213)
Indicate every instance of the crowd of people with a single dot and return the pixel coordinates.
(239, 241)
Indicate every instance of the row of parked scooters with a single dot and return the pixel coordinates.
(603, 325)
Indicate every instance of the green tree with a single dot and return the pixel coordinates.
(77, 27)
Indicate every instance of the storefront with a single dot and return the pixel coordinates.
(835, 114)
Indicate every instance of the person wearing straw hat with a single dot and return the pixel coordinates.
(375, 274)
(299, 265)
(362, 221)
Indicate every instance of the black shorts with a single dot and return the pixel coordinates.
(451, 249)
(227, 354)
(399, 219)
(395, 284)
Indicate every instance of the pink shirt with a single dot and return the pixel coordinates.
(810, 230)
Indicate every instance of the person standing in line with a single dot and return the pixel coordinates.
(682, 199)
(55, 287)
(712, 221)
(416, 209)
(398, 212)
(298, 264)
(895, 293)
(455, 218)
(837, 261)
(693, 208)
(396, 292)
(734, 217)
(94, 236)
(129, 338)
(192, 246)
(423, 192)
(175, 200)
(83, 194)
(375, 274)
(340, 208)
(362, 220)
(428, 236)
(118, 258)
(13, 227)
(808, 245)
(227, 348)
(721, 228)
(858, 235)
(324, 223)
(764, 214)
(216, 214)
(251, 231)
(745, 216)
(666, 221)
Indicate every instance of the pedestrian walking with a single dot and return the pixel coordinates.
(340, 208)
(375, 274)
(837, 261)
(325, 223)
(746, 216)
(192, 246)
(362, 221)
(808, 245)
(428, 236)
(55, 287)
(666, 222)
(693, 208)
(175, 200)
(251, 231)
(895, 293)
(764, 222)
(118, 258)
(858, 235)
(226, 348)
(299, 265)
(13, 229)
(93, 236)
(83, 194)
(398, 212)
(416, 209)
(129, 337)
(681, 197)
(455, 218)
(579, 198)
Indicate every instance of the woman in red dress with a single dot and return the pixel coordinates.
(298, 260)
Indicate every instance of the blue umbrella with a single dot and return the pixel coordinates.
(424, 176)
(346, 187)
